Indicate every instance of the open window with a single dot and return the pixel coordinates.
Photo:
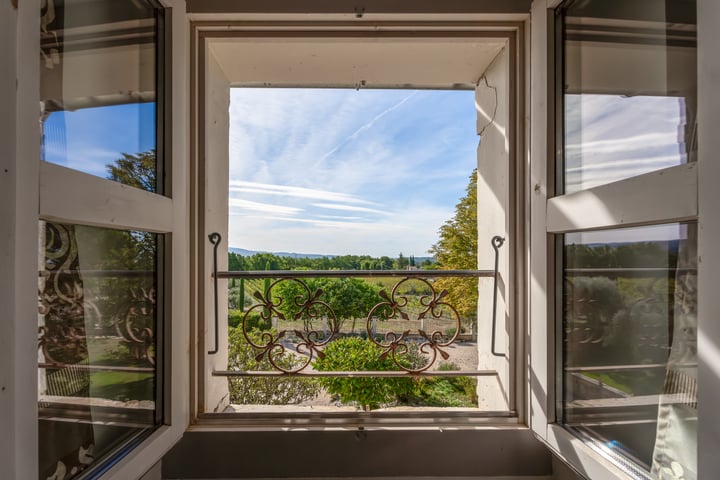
(463, 67)
(106, 252)
(622, 239)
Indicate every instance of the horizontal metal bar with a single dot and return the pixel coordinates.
(289, 416)
(625, 272)
(100, 273)
(355, 374)
(618, 368)
(95, 368)
(355, 273)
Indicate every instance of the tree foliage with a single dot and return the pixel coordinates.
(137, 170)
(260, 390)
(457, 250)
(356, 354)
(349, 298)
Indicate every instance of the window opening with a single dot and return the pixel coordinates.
(343, 178)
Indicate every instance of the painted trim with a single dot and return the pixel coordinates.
(177, 374)
(663, 196)
(708, 16)
(399, 27)
(539, 326)
(70, 196)
(19, 158)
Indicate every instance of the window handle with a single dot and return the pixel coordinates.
(215, 238)
(497, 242)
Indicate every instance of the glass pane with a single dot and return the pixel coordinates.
(99, 89)
(630, 89)
(630, 342)
(98, 297)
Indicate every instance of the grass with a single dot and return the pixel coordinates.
(122, 386)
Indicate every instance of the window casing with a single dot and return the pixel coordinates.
(212, 134)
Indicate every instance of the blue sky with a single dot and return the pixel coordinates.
(339, 171)
(88, 139)
(612, 137)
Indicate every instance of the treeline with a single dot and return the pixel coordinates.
(269, 261)
(629, 255)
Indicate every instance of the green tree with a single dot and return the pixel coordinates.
(139, 170)
(350, 298)
(457, 250)
(260, 390)
(356, 354)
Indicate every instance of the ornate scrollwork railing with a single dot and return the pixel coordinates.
(73, 314)
(413, 350)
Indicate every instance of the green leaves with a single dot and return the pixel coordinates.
(457, 250)
(356, 354)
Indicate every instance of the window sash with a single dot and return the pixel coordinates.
(551, 216)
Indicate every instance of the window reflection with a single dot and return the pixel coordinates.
(98, 88)
(98, 317)
(630, 345)
(630, 89)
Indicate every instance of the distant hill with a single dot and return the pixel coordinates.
(248, 253)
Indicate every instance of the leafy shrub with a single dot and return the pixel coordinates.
(447, 391)
(254, 320)
(259, 390)
(356, 354)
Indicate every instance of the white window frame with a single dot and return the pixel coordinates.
(695, 197)
(32, 190)
(210, 123)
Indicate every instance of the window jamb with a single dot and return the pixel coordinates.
(201, 32)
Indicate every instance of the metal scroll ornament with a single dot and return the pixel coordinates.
(308, 341)
(61, 299)
(397, 346)
(135, 327)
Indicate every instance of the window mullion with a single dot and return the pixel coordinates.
(640, 200)
(75, 197)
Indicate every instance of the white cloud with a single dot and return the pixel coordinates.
(369, 153)
(351, 208)
(299, 192)
(239, 203)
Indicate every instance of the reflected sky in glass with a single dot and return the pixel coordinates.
(613, 137)
(90, 139)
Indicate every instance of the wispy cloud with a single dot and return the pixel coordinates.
(350, 208)
(291, 191)
(263, 207)
(370, 154)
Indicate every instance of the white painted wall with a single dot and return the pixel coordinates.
(538, 351)
(19, 157)
(494, 218)
(708, 238)
(217, 167)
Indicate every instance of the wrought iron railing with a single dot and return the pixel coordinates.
(73, 311)
(403, 347)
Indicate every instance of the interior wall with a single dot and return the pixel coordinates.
(216, 162)
(19, 160)
(494, 217)
(359, 453)
(709, 235)
(354, 7)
